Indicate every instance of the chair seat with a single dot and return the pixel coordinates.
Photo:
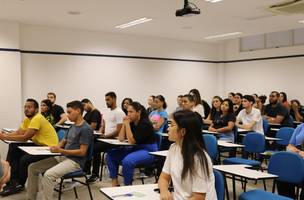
(261, 194)
(76, 174)
(237, 161)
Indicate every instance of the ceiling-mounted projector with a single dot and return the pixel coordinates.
(189, 9)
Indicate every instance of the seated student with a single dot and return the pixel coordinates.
(188, 164)
(198, 106)
(224, 124)
(179, 103)
(237, 107)
(215, 110)
(260, 103)
(36, 128)
(188, 103)
(231, 96)
(297, 111)
(250, 118)
(137, 129)
(5, 172)
(112, 123)
(283, 100)
(92, 116)
(275, 112)
(150, 107)
(46, 111)
(159, 116)
(74, 148)
(125, 103)
(57, 111)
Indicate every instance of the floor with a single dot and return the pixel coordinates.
(106, 182)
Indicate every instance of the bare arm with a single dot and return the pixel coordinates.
(247, 127)
(226, 129)
(197, 196)
(19, 135)
(208, 120)
(163, 184)
(277, 120)
(81, 152)
(6, 173)
(129, 133)
(122, 133)
(63, 118)
(114, 133)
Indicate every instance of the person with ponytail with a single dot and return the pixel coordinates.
(138, 130)
(188, 164)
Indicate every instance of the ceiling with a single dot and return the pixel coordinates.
(247, 16)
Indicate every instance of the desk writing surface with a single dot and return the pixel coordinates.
(37, 150)
(115, 142)
(19, 142)
(134, 192)
(241, 170)
(228, 144)
(163, 153)
(9, 130)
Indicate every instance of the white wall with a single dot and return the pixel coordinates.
(77, 77)
(10, 80)
(263, 76)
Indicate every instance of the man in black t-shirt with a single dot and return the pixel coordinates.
(276, 113)
(92, 116)
(57, 111)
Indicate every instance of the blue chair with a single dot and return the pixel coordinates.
(265, 126)
(254, 144)
(61, 133)
(289, 167)
(78, 174)
(211, 146)
(285, 134)
(219, 185)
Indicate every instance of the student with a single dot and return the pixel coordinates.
(215, 110)
(46, 111)
(125, 103)
(40, 131)
(198, 107)
(138, 130)
(112, 123)
(260, 104)
(74, 148)
(237, 107)
(188, 164)
(224, 124)
(283, 100)
(188, 104)
(297, 111)
(159, 116)
(250, 118)
(92, 116)
(179, 103)
(5, 173)
(150, 107)
(57, 111)
(275, 112)
(231, 96)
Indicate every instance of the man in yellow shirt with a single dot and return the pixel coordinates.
(36, 128)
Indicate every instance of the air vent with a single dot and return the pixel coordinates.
(288, 8)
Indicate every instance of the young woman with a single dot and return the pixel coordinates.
(198, 107)
(138, 130)
(283, 100)
(46, 108)
(187, 164)
(150, 101)
(125, 103)
(215, 110)
(224, 124)
(260, 104)
(159, 116)
(296, 110)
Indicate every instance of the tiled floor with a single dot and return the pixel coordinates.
(83, 192)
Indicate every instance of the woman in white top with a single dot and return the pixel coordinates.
(198, 107)
(187, 163)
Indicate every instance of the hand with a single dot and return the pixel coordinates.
(126, 120)
(55, 149)
(166, 195)
(294, 106)
(6, 173)
(212, 129)
(301, 153)
(2, 135)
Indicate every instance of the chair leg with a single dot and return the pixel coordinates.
(89, 188)
(264, 182)
(75, 191)
(60, 189)
(273, 186)
(101, 166)
(226, 187)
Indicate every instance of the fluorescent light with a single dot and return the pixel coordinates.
(222, 35)
(213, 1)
(301, 21)
(133, 23)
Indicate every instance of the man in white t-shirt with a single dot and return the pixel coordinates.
(250, 118)
(110, 127)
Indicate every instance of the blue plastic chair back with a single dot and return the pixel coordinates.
(265, 126)
(285, 134)
(159, 139)
(211, 146)
(219, 185)
(288, 166)
(254, 142)
(61, 133)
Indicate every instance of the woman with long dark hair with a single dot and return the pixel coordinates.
(187, 164)
(215, 110)
(46, 111)
(137, 129)
(125, 103)
(283, 100)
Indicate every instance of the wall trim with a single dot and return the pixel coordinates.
(144, 57)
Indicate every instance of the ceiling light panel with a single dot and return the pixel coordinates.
(133, 23)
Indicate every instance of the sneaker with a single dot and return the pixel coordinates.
(93, 178)
(66, 186)
(12, 190)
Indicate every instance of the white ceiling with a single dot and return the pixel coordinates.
(247, 16)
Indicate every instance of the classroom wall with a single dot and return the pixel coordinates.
(263, 76)
(10, 79)
(77, 77)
